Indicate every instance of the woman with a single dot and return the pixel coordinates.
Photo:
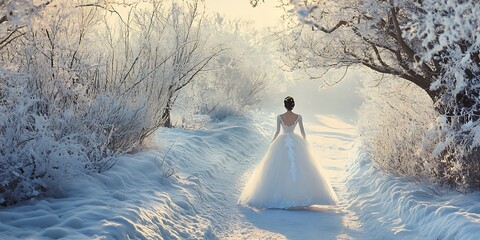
(288, 176)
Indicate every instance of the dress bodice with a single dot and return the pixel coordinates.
(288, 128)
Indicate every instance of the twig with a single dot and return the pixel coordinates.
(168, 173)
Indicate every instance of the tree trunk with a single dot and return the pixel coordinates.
(167, 122)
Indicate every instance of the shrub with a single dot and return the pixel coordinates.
(399, 124)
(82, 86)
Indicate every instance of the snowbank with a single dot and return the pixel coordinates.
(134, 200)
(387, 204)
(129, 201)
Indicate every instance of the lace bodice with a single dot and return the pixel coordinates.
(289, 129)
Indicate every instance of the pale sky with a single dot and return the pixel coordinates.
(264, 15)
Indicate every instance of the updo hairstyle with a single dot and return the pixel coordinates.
(289, 103)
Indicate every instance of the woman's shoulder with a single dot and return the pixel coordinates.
(283, 114)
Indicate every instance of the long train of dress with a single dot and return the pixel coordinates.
(288, 175)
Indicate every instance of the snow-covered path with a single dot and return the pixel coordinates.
(332, 141)
(230, 162)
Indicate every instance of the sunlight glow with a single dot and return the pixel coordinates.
(264, 15)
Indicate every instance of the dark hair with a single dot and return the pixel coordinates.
(289, 103)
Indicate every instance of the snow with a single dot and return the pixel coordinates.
(135, 200)
(408, 209)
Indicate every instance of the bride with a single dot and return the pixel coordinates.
(288, 176)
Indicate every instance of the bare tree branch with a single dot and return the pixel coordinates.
(202, 66)
(325, 30)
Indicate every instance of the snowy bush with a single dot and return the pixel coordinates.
(396, 123)
(38, 150)
(88, 83)
(400, 126)
(449, 37)
(240, 78)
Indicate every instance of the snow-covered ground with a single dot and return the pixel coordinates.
(135, 200)
(408, 210)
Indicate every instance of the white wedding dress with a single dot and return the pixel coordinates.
(288, 176)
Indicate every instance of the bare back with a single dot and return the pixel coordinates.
(289, 118)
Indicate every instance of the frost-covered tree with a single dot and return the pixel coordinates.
(409, 39)
(239, 75)
(15, 16)
(448, 37)
(192, 52)
(433, 44)
(87, 81)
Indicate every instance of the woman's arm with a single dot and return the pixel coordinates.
(300, 124)
(278, 128)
